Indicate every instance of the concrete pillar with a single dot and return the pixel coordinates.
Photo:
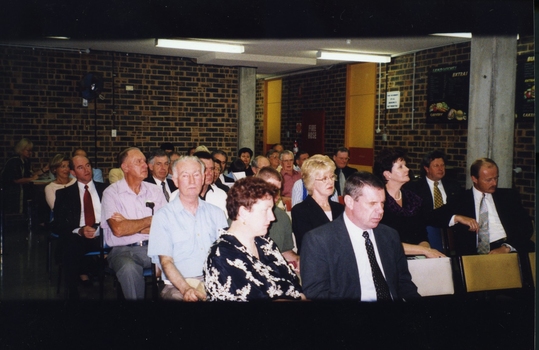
(246, 107)
(492, 103)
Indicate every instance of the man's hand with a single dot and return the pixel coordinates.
(87, 232)
(433, 253)
(191, 294)
(470, 222)
(501, 250)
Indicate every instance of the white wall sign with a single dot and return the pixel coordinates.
(393, 99)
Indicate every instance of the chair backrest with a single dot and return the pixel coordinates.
(432, 276)
(532, 266)
(491, 272)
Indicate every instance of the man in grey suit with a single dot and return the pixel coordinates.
(344, 258)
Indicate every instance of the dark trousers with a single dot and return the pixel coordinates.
(74, 261)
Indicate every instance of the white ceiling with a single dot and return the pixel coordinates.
(270, 57)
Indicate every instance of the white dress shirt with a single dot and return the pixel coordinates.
(96, 202)
(368, 291)
(495, 227)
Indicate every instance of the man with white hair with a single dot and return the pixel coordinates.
(183, 232)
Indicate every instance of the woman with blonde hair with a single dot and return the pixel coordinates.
(318, 174)
(59, 167)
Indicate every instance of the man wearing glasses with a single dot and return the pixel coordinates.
(288, 173)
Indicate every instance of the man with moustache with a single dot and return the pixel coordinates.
(354, 257)
(77, 212)
(126, 216)
(188, 220)
(504, 225)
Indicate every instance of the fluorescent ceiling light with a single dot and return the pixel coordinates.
(349, 56)
(199, 45)
(455, 35)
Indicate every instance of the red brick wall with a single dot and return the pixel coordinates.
(173, 100)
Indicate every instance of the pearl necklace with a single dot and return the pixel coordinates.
(400, 196)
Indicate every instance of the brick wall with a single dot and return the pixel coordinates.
(326, 90)
(173, 100)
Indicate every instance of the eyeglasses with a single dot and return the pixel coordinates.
(327, 178)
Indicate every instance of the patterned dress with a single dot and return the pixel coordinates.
(231, 273)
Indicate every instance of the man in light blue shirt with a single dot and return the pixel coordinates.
(183, 231)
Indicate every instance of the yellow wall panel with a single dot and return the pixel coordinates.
(361, 79)
(274, 91)
(272, 112)
(360, 123)
(273, 126)
(360, 110)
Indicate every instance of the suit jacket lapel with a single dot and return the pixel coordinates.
(348, 268)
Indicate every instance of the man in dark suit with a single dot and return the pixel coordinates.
(432, 177)
(508, 225)
(78, 233)
(353, 257)
(159, 164)
(341, 156)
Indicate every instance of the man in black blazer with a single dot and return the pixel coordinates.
(159, 164)
(509, 226)
(76, 235)
(433, 174)
(341, 156)
(334, 259)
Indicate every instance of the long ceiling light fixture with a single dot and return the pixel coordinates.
(199, 45)
(351, 57)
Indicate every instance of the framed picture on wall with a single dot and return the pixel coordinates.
(525, 89)
(448, 93)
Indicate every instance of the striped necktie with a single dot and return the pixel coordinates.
(483, 239)
(165, 192)
(438, 201)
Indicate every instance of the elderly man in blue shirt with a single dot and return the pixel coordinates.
(182, 233)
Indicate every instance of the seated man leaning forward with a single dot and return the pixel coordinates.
(126, 215)
(353, 257)
(182, 233)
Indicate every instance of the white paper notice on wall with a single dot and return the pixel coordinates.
(393, 99)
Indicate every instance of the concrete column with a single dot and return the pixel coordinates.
(246, 107)
(492, 103)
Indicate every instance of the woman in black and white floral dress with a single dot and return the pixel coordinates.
(242, 264)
